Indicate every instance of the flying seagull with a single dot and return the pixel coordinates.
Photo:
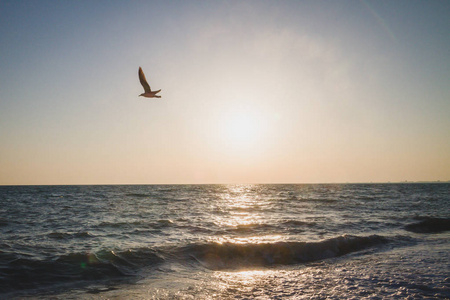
(148, 91)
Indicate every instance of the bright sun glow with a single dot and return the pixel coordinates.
(243, 128)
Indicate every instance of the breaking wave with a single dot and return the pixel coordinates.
(21, 272)
(219, 256)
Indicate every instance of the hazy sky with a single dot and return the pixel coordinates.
(252, 91)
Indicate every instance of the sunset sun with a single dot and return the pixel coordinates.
(242, 128)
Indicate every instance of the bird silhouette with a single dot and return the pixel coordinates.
(148, 91)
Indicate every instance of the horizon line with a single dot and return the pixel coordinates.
(279, 183)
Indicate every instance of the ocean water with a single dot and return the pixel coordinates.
(344, 241)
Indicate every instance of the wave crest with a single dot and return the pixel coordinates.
(21, 273)
(217, 256)
(429, 225)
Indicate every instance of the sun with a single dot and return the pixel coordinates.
(242, 128)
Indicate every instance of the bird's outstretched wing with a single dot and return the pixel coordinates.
(144, 81)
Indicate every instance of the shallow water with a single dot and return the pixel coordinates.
(226, 241)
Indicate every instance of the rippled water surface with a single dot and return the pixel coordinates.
(226, 241)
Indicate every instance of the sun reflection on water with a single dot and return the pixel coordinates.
(243, 216)
(247, 277)
(246, 283)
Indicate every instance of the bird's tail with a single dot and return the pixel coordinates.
(157, 91)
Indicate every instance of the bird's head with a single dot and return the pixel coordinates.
(141, 94)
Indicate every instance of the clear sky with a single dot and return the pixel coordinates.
(252, 91)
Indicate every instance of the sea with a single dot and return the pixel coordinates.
(250, 241)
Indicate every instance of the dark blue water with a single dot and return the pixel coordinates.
(225, 241)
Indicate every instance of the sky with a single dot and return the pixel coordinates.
(252, 92)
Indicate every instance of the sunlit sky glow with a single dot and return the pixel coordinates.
(252, 91)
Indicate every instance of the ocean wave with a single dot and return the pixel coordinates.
(219, 256)
(283, 225)
(295, 223)
(19, 273)
(196, 229)
(121, 224)
(66, 235)
(3, 222)
(245, 228)
(429, 225)
(138, 195)
(158, 224)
